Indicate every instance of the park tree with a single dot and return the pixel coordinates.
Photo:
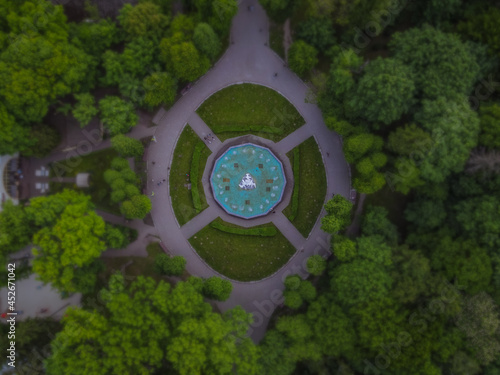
(375, 249)
(206, 40)
(278, 10)
(447, 67)
(338, 214)
(275, 362)
(40, 57)
(126, 146)
(65, 251)
(170, 266)
(409, 140)
(481, 26)
(384, 93)
(426, 214)
(453, 127)
(360, 281)
(46, 139)
(302, 57)
(297, 291)
(317, 32)
(489, 119)
(464, 261)
(117, 115)
(15, 228)
(177, 331)
(95, 37)
(344, 249)
(216, 288)
(187, 62)
(222, 13)
(437, 12)
(146, 19)
(376, 222)
(332, 328)
(137, 207)
(117, 237)
(316, 265)
(13, 135)
(479, 218)
(183, 24)
(160, 89)
(84, 109)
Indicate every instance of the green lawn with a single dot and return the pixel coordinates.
(242, 257)
(182, 199)
(312, 186)
(95, 164)
(248, 109)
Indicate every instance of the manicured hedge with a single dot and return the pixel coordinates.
(195, 168)
(263, 232)
(247, 128)
(296, 177)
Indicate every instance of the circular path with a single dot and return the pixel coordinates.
(247, 60)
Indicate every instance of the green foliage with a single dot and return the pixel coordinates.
(296, 187)
(344, 249)
(261, 232)
(443, 65)
(15, 137)
(338, 214)
(15, 228)
(357, 146)
(454, 128)
(384, 93)
(137, 207)
(297, 291)
(117, 237)
(278, 10)
(182, 57)
(293, 299)
(465, 261)
(482, 27)
(410, 140)
(143, 20)
(84, 109)
(302, 57)
(117, 115)
(126, 146)
(318, 32)
(436, 12)
(95, 37)
(375, 249)
(161, 88)
(166, 265)
(206, 40)
(376, 222)
(426, 214)
(217, 288)
(46, 139)
(66, 250)
(177, 332)
(489, 117)
(292, 282)
(479, 218)
(316, 265)
(360, 281)
(222, 13)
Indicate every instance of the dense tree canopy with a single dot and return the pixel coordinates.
(176, 330)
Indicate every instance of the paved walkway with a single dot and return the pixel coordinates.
(248, 59)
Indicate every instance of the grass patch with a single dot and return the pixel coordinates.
(240, 257)
(182, 197)
(311, 184)
(96, 164)
(247, 106)
(276, 36)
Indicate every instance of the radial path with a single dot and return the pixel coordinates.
(247, 60)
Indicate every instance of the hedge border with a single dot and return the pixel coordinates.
(262, 232)
(296, 185)
(195, 168)
(249, 128)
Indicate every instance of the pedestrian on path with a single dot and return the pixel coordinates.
(152, 193)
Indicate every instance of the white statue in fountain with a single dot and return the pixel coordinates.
(247, 182)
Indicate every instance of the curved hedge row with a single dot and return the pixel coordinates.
(296, 178)
(245, 128)
(195, 169)
(263, 232)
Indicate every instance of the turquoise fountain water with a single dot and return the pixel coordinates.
(248, 180)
